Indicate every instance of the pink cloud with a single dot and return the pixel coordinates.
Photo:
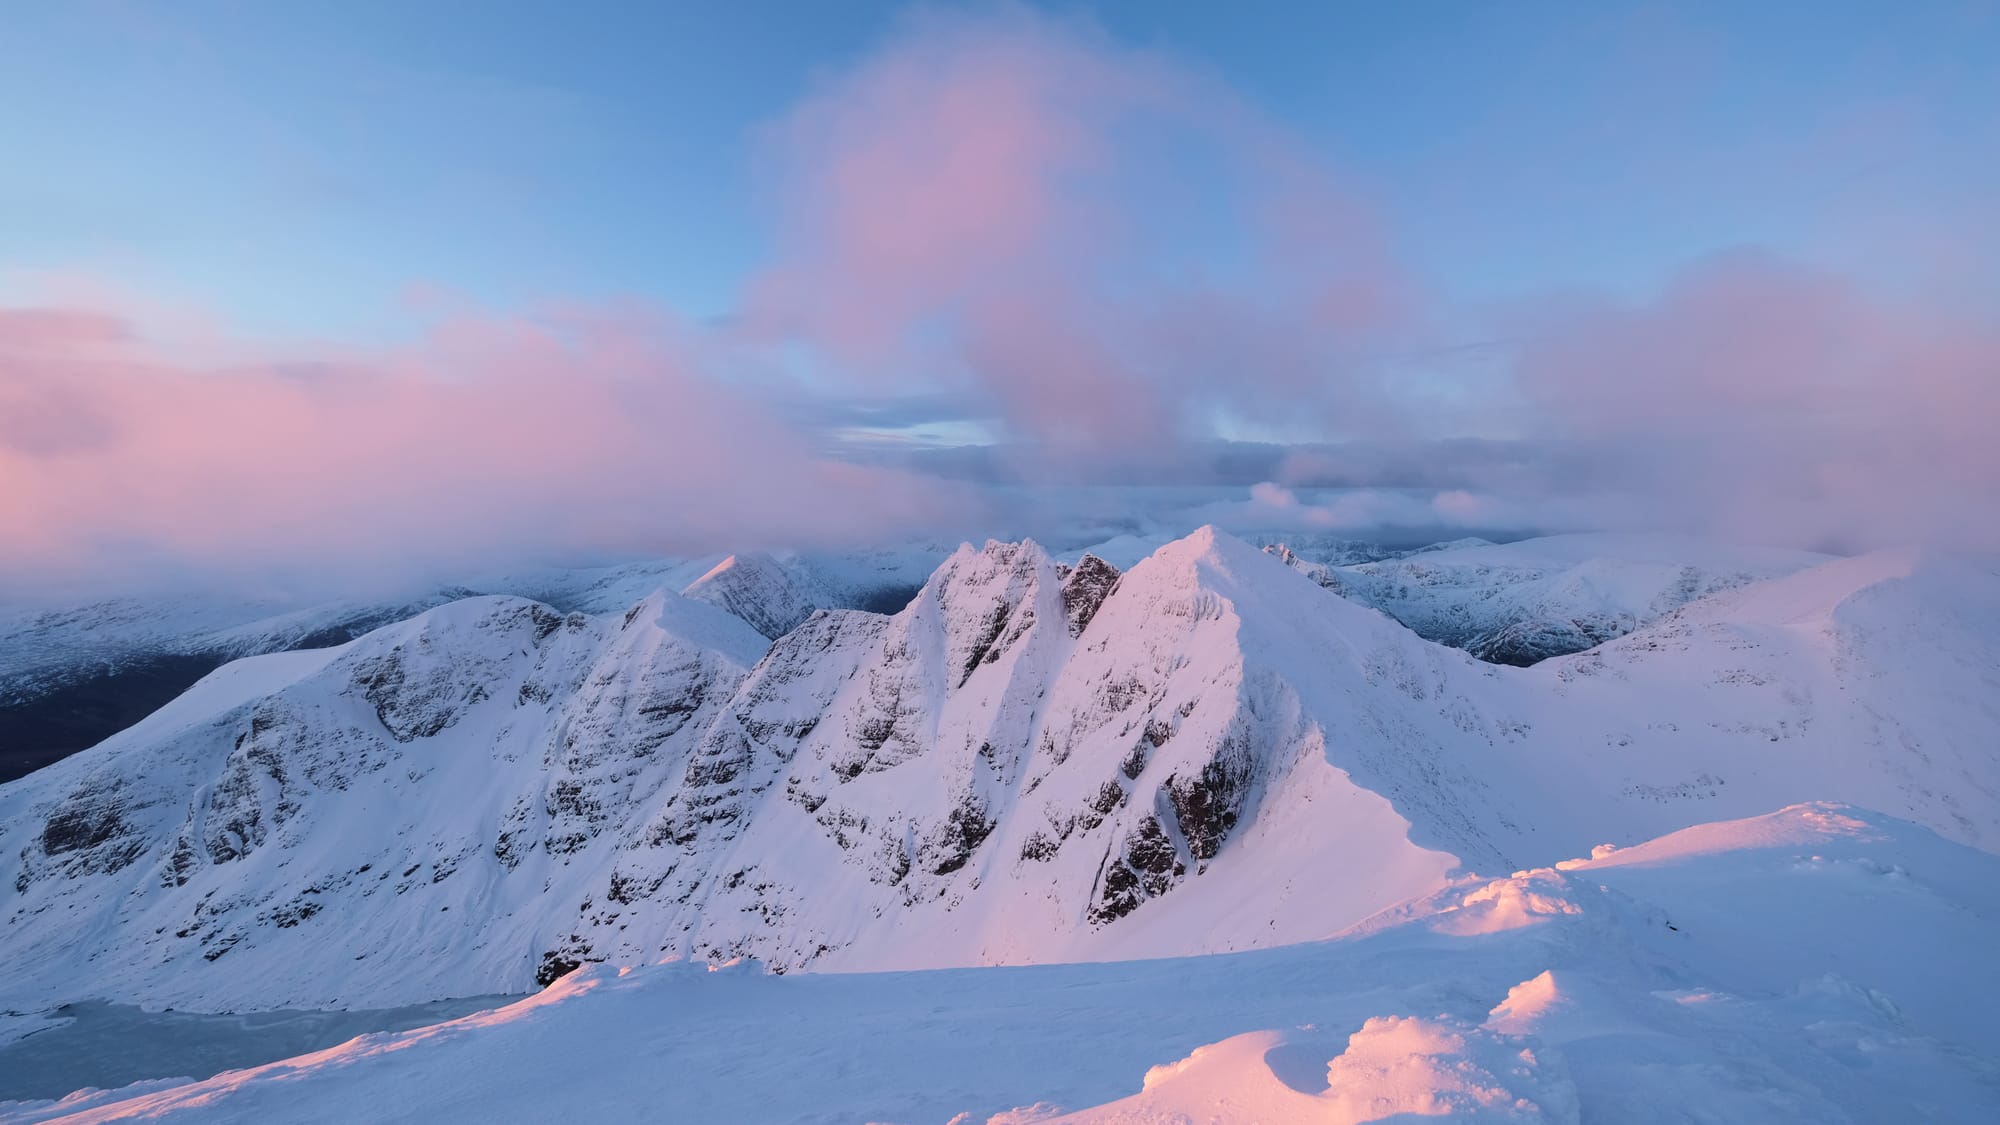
(1104, 244)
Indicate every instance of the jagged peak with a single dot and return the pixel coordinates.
(984, 600)
(769, 596)
(997, 560)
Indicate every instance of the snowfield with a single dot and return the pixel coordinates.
(1243, 835)
(1817, 964)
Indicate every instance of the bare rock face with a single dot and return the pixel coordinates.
(1084, 589)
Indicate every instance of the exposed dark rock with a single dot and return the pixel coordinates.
(990, 628)
(554, 967)
(965, 828)
(1207, 806)
(1147, 869)
(1084, 589)
(1109, 797)
(719, 761)
(569, 804)
(546, 621)
(292, 913)
(872, 733)
(82, 823)
(1039, 846)
(1135, 762)
(181, 864)
(628, 889)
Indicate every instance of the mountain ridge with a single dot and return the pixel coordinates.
(1205, 752)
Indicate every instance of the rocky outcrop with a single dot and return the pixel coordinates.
(1085, 586)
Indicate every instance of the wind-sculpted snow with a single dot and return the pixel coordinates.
(1818, 964)
(1027, 763)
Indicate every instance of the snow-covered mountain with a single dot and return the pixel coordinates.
(1027, 763)
(1523, 602)
(1818, 964)
(71, 676)
(769, 596)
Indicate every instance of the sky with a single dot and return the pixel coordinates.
(374, 281)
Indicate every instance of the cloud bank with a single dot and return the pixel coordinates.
(486, 440)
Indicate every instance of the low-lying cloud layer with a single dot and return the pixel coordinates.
(1099, 255)
(484, 441)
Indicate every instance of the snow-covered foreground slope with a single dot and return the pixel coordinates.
(1520, 603)
(1028, 763)
(1820, 964)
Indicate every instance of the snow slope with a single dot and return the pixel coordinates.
(1028, 763)
(1819, 964)
(1874, 678)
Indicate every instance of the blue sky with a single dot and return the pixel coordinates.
(299, 168)
(340, 285)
